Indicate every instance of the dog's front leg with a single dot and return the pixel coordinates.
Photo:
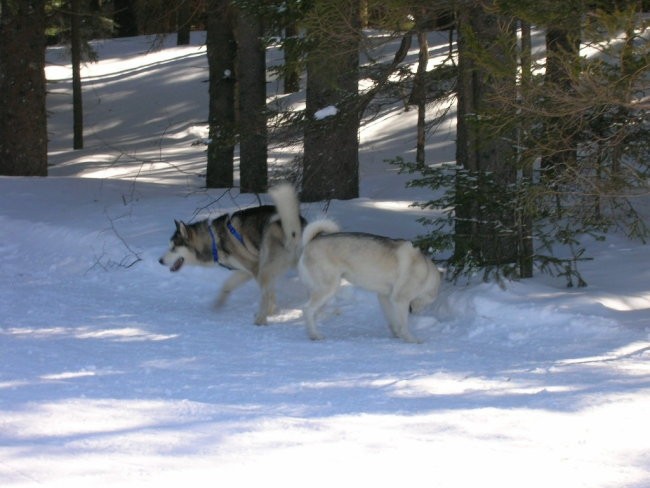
(397, 313)
(386, 306)
(236, 279)
(267, 304)
(266, 281)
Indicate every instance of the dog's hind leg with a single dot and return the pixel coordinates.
(236, 279)
(317, 299)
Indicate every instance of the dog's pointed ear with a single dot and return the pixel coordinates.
(181, 228)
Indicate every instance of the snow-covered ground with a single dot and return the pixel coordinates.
(115, 372)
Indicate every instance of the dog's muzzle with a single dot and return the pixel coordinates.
(174, 267)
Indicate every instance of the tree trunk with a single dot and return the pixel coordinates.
(77, 98)
(183, 23)
(291, 59)
(251, 75)
(483, 151)
(331, 153)
(419, 95)
(124, 17)
(23, 122)
(221, 51)
(526, 225)
(562, 51)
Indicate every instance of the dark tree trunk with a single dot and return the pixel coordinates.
(331, 155)
(485, 153)
(221, 50)
(183, 23)
(419, 95)
(23, 122)
(251, 75)
(526, 232)
(562, 51)
(77, 98)
(291, 59)
(124, 16)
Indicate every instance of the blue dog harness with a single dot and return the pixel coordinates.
(233, 231)
(215, 252)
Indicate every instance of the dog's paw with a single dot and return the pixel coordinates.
(261, 320)
(316, 336)
(220, 300)
(410, 339)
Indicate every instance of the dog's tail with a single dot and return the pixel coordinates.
(286, 202)
(317, 227)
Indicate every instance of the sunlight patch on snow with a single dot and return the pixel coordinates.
(438, 384)
(637, 348)
(68, 375)
(172, 364)
(112, 172)
(115, 443)
(92, 416)
(374, 131)
(626, 303)
(200, 132)
(395, 206)
(123, 334)
(35, 333)
(13, 384)
(450, 384)
(288, 315)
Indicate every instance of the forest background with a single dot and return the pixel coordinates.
(552, 142)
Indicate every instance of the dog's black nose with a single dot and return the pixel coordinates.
(161, 261)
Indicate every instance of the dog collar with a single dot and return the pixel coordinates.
(215, 252)
(234, 232)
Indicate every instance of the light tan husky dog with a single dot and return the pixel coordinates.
(403, 278)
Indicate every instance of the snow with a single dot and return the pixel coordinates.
(116, 372)
(323, 113)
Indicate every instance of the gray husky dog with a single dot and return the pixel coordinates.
(403, 278)
(258, 242)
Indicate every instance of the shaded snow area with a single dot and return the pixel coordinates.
(116, 372)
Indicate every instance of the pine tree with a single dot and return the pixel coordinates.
(251, 80)
(331, 145)
(23, 123)
(484, 222)
(221, 49)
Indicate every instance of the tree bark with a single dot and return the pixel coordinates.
(183, 23)
(126, 23)
(526, 229)
(562, 51)
(482, 149)
(291, 58)
(251, 75)
(419, 95)
(331, 152)
(77, 97)
(221, 51)
(23, 122)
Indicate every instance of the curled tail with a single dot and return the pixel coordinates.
(286, 202)
(322, 226)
